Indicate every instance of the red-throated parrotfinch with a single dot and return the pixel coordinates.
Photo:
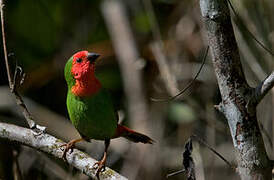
(90, 107)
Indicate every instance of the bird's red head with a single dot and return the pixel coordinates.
(83, 64)
(82, 70)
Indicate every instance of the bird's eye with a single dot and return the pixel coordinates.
(78, 60)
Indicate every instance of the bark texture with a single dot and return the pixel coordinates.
(253, 162)
(51, 145)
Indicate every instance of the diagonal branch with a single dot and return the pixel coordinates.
(167, 75)
(51, 145)
(262, 89)
(259, 92)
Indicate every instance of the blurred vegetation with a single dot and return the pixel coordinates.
(42, 35)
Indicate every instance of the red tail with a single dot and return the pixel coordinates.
(131, 135)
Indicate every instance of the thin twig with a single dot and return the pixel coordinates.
(51, 145)
(4, 44)
(175, 173)
(188, 85)
(249, 32)
(13, 87)
(262, 89)
(200, 140)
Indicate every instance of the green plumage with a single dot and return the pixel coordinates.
(94, 117)
(90, 107)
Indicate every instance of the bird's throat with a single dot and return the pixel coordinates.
(86, 87)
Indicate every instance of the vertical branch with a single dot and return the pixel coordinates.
(253, 162)
(13, 81)
(4, 44)
(129, 61)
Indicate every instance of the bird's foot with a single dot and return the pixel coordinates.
(68, 146)
(100, 166)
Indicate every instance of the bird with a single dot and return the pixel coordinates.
(91, 109)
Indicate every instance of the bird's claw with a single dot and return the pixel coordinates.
(68, 147)
(100, 166)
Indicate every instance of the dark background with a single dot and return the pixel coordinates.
(42, 35)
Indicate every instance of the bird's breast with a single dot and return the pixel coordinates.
(93, 117)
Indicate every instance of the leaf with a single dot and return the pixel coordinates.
(188, 162)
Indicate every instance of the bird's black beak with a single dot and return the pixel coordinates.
(92, 57)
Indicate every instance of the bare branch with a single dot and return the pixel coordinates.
(201, 141)
(249, 32)
(188, 85)
(175, 173)
(19, 101)
(253, 162)
(4, 43)
(51, 145)
(263, 88)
